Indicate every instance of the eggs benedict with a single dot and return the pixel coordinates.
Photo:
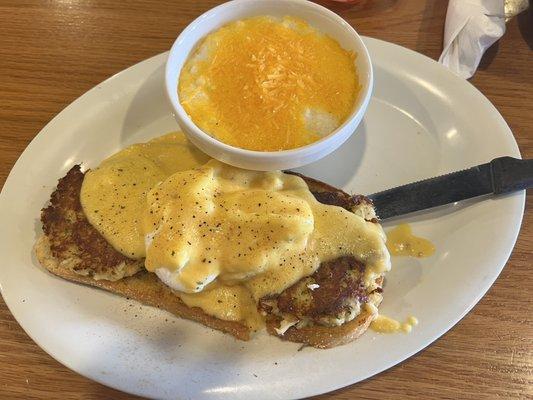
(231, 248)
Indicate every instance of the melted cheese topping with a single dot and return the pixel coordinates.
(402, 242)
(383, 324)
(266, 84)
(113, 195)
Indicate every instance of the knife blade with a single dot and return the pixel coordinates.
(501, 175)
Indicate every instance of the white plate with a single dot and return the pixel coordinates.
(422, 121)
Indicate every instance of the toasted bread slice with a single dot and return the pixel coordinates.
(143, 287)
(137, 284)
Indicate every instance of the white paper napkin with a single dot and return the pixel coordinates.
(472, 26)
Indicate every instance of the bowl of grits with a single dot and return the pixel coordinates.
(269, 85)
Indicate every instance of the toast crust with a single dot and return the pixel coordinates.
(143, 287)
(323, 337)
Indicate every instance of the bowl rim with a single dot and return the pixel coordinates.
(173, 95)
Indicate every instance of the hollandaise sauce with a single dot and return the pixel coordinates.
(220, 236)
(113, 195)
(384, 324)
(402, 242)
(269, 84)
(264, 230)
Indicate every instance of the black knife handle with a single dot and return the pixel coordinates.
(510, 174)
(433, 192)
(501, 175)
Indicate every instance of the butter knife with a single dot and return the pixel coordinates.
(501, 175)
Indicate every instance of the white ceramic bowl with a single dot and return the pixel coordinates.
(317, 16)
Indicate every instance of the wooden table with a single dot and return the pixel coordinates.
(53, 51)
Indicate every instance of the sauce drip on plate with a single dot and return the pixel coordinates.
(402, 242)
(384, 324)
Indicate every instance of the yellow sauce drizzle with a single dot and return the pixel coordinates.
(229, 303)
(113, 194)
(269, 84)
(384, 324)
(402, 242)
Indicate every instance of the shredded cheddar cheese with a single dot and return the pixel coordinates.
(267, 84)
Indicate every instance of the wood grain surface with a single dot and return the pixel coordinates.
(53, 51)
